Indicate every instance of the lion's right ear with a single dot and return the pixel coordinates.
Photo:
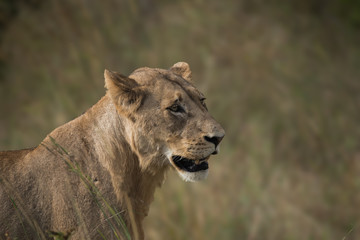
(124, 91)
(182, 69)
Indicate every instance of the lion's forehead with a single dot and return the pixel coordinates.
(164, 82)
(145, 75)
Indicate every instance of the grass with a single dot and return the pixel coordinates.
(113, 218)
(283, 83)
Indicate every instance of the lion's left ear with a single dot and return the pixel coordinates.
(182, 69)
(124, 91)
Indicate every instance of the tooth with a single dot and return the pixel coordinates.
(197, 162)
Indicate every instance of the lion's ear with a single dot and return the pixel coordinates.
(182, 69)
(124, 91)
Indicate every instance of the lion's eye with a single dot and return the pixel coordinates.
(202, 100)
(175, 108)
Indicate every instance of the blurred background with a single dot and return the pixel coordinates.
(282, 77)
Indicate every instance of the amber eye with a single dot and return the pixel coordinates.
(202, 100)
(175, 108)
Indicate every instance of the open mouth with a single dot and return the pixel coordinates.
(191, 165)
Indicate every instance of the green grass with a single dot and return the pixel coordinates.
(283, 83)
(113, 219)
(112, 216)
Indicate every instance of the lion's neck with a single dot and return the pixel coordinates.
(117, 157)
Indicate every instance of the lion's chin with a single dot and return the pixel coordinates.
(193, 176)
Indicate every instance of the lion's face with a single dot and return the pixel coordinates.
(168, 119)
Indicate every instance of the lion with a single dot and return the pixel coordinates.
(95, 176)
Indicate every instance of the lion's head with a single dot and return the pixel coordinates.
(167, 121)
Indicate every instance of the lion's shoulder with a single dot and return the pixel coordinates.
(9, 158)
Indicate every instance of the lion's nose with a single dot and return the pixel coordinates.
(215, 140)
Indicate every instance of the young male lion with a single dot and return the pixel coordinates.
(97, 173)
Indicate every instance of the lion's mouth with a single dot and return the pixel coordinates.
(191, 165)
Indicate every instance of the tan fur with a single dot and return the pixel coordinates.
(118, 150)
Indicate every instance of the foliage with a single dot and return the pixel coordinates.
(281, 77)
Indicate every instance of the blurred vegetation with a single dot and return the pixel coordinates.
(281, 76)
